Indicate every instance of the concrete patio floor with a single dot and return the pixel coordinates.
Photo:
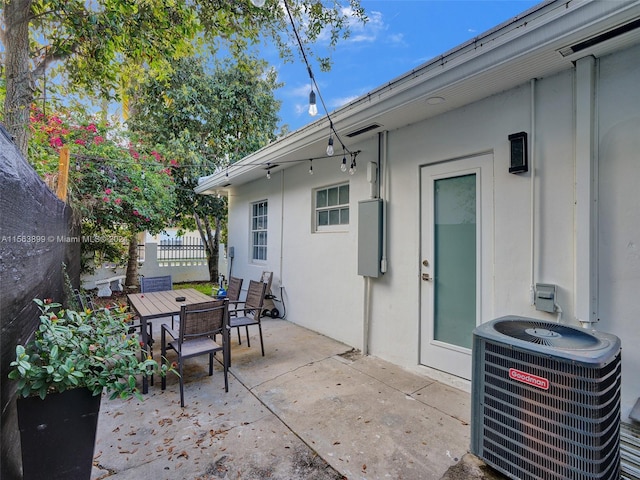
(311, 408)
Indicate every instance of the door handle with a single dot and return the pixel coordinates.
(426, 277)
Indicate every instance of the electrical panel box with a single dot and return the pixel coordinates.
(369, 237)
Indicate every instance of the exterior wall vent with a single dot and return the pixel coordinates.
(546, 400)
(603, 37)
(362, 130)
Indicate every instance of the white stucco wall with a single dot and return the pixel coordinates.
(619, 211)
(318, 271)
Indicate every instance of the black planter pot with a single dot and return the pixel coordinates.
(58, 435)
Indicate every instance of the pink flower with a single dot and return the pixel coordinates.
(174, 163)
(108, 191)
(135, 212)
(118, 201)
(92, 128)
(80, 141)
(98, 139)
(157, 156)
(55, 142)
(105, 199)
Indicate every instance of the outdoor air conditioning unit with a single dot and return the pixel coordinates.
(546, 400)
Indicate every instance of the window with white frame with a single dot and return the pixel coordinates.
(259, 230)
(332, 208)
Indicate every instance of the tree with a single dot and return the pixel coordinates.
(116, 188)
(105, 46)
(207, 119)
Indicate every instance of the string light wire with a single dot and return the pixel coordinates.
(313, 79)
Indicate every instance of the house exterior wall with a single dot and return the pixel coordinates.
(619, 210)
(318, 271)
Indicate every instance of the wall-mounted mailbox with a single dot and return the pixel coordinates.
(546, 297)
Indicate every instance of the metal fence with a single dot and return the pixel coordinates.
(181, 248)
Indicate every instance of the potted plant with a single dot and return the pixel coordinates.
(61, 374)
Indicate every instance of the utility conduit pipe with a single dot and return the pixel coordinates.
(532, 169)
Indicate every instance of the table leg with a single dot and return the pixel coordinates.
(145, 340)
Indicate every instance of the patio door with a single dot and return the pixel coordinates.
(456, 260)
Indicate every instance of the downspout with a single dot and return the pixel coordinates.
(383, 192)
(532, 162)
(367, 315)
(281, 232)
(586, 193)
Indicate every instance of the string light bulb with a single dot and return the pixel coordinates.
(352, 168)
(258, 3)
(343, 167)
(313, 108)
(330, 145)
(310, 167)
(268, 171)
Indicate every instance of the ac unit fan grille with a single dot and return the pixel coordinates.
(549, 334)
(569, 431)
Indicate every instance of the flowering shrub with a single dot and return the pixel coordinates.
(91, 349)
(118, 188)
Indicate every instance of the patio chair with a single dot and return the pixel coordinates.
(233, 294)
(235, 287)
(157, 284)
(86, 302)
(199, 323)
(250, 312)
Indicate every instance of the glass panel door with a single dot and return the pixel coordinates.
(455, 259)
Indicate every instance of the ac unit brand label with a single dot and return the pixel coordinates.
(529, 379)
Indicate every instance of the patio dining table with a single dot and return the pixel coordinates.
(166, 303)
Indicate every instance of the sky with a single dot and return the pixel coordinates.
(400, 35)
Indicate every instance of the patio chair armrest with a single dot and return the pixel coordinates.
(166, 328)
(245, 310)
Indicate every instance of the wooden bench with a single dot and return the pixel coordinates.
(107, 286)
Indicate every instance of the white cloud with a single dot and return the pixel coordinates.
(397, 38)
(299, 109)
(367, 32)
(300, 91)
